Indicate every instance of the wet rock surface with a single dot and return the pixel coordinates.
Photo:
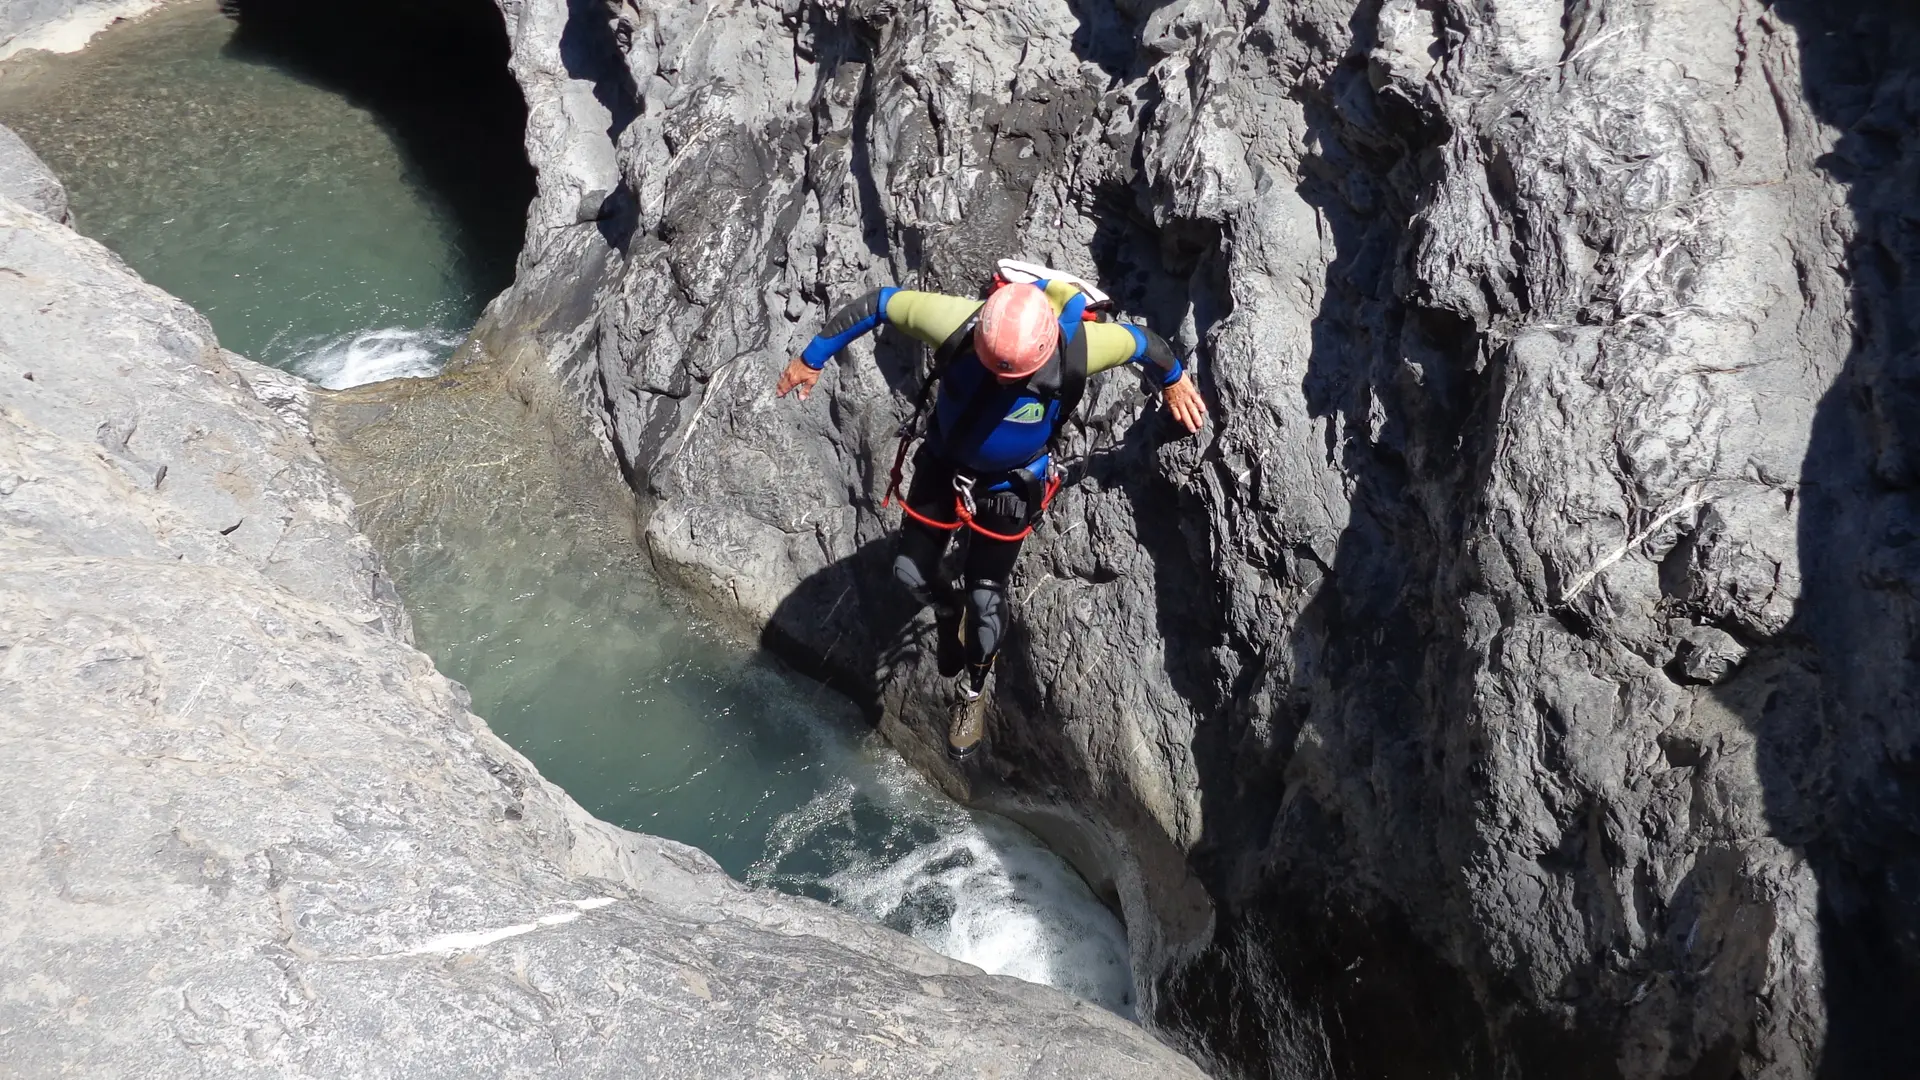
(1516, 677)
(252, 832)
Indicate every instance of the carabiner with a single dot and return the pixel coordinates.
(963, 488)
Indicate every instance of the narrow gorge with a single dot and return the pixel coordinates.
(1515, 679)
(298, 188)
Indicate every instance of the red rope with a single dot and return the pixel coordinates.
(925, 520)
(989, 533)
(899, 463)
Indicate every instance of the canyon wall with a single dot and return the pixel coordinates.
(252, 832)
(1515, 677)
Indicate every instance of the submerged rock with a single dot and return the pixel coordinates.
(1552, 346)
(251, 830)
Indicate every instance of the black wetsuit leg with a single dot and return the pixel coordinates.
(989, 566)
(930, 493)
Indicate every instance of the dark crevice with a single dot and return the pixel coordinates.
(434, 74)
(1317, 942)
(619, 218)
(873, 216)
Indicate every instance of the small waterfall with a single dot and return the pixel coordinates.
(991, 895)
(977, 888)
(369, 356)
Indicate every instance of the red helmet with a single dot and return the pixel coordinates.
(1017, 332)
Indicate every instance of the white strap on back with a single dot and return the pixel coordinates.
(1015, 270)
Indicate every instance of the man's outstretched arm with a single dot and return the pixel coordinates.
(931, 317)
(850, 322)
(1112, 344)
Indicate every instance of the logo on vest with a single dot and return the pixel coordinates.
(1031, 413)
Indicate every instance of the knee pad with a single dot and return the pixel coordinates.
(986, 619)
(907, 572)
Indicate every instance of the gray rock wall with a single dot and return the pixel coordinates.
(1516, 678)
(252, 832)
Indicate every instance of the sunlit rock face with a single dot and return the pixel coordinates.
(27, 179)
(1514, 679)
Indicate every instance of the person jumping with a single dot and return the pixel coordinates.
(1008, 372)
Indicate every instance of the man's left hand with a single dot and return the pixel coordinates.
(1185, 402)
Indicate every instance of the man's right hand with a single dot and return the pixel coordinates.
(797, 376)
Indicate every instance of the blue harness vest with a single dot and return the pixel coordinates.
(992, 428)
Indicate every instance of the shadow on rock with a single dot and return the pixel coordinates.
(850, 626)
(1833, 700)
(592, 50)
(1112, 33)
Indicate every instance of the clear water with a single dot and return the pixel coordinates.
(317, 234)
(658, 724)
(524, 588)
(290, 215)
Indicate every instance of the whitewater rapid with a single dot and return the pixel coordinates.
(882, 841)
(370, 356)
(983, 891)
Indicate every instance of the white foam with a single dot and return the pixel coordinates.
(369, 356)
(979, 889)
(989, 894)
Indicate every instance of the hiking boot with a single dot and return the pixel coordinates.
(969, 727)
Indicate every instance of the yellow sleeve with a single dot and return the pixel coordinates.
(1059, 292)
(931, 317)
(1108, 345)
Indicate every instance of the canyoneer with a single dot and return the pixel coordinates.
(1007, 372)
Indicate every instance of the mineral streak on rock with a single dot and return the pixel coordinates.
(251, 832)
(1517, 677)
